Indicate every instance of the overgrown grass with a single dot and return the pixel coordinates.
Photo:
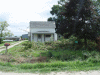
(52, 66)
(61, 55)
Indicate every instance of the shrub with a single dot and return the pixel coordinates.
(93, 60)
(64, 54)
(91, 45)
(49, 54)
(66, 43)
(49, 43)
(27, 45)
(26, 38)
(12, 60)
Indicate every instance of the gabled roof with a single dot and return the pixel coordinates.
(42, 24)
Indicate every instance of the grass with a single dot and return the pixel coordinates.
(8, 42)
(61, 56)
(52, 66)
(18, 51)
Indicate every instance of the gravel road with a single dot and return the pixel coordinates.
(97, 72)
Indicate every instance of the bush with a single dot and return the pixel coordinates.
(49, 43)
(66, 49)
(91, 45)
(66, 43)
(93, 60)
(49, 54)
(2, 41)
(27, 45)
(64, 54)
(26, 38)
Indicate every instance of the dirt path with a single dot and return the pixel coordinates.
(97, 72)
(12, 45)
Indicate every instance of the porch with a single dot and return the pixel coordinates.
(43, 37)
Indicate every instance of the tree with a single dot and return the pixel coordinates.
(81, 19)
(98, 0)
(8, 33)
(5, 31)
(58, 17)
(51, 19)
(78, 17)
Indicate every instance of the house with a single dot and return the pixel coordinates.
(25, 36)
(13, 38)
(42, 31)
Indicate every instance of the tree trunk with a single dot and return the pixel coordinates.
(85, 42)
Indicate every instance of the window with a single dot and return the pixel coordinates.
(48, 35)
(39, 36)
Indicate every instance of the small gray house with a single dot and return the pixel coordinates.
(42, 31)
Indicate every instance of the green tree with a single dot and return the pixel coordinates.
(58, 17)
(8, 33)
(50, 19)
(81, 19)
(5, 31)
(78, 17)
(98, 0)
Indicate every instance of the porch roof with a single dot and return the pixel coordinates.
(43, 33)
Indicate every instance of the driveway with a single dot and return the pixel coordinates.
(4, 48)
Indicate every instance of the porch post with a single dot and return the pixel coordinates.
(31, 37)
(42, 37)
(55, 37)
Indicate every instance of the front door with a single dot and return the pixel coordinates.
(39, 38)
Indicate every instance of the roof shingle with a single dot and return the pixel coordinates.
(42, 24)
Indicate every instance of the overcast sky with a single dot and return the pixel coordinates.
(18, 13)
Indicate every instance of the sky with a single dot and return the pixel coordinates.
(18, 13)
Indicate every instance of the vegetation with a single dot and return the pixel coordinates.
(5, 32)
(79, 51)
(78, 17)
(60, 55)
(53, 66)
(3, 42)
